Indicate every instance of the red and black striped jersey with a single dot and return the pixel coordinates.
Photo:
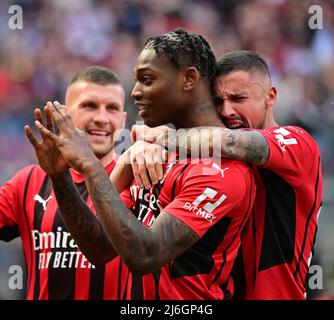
(280, 235)
(213, 200)
(56, 268)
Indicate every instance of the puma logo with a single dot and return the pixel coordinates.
(38, 198)
(219, 169)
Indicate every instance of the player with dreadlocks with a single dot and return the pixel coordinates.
(180, 238)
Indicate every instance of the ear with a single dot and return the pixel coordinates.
(271, 97)
(190, 78)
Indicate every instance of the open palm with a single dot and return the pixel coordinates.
(49, 157)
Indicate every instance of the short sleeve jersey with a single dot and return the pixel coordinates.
(56, 268)
(280, 235)
(213, 200)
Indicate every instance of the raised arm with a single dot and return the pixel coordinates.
(79, 219)
(81, 222)
(142, 249)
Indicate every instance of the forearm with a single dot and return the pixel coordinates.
(122, 175)
(244, 145)
(81, 222)
(134, 242)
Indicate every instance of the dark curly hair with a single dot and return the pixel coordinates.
(184, 50)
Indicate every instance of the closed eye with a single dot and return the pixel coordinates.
(237, 98)
(218, 101)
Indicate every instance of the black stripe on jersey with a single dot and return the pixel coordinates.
(9, 233)
(137, 287)
(156, 276)
(226, 292)
(255, 247)
(119, 282)
(61, 281)
(238, 275)
(24, 205)
(280, 221)
(38, 218)
(308, 221)
(174, 183)
(239, 232)
(126, 285)
(96, 284)
(198, 258)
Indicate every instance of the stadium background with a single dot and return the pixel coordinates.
(60, 36)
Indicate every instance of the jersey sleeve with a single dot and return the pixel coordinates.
(11, 204)
(293, 152)
(126, 198)
(207, 193)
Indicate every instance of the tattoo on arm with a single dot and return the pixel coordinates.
(83, 225)
(250, 146)
(176, 237)
(143, 249)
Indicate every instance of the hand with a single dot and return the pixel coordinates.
(147, 161)
(151, 135)
(49, 157)
(72, 142)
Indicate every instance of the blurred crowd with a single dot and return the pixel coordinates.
(60, 36)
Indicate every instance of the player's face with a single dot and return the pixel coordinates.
(244, 100)
(158, 89)
(97, 110)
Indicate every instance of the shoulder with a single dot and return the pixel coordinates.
(24, 173)
(224, 173)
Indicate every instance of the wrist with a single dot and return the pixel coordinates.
(60, 176)
(90, 168)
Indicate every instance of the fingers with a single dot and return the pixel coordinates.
(60, 116)
(149, 172)
(38, 115)
(31, 136)
(142, 132)
(45, 133)
(49, 122)
(158, 160)
(135, 162)
(147, 163)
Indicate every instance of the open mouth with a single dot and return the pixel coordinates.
(98, 133)
(234, 124)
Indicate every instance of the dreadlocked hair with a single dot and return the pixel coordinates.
(184, 50)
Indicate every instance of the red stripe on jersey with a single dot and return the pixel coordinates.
(37, 227)
(214, 202)
(279, 239)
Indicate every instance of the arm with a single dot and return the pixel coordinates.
(79, 219)
(245, 145)
(83, 225)
(122, 176)
(142, 249)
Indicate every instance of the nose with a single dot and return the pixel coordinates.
(227, 109)
(137, 93)
(101, 115)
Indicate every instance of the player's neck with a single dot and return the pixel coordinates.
(107, 158)
(200, 112)
(270, 122)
